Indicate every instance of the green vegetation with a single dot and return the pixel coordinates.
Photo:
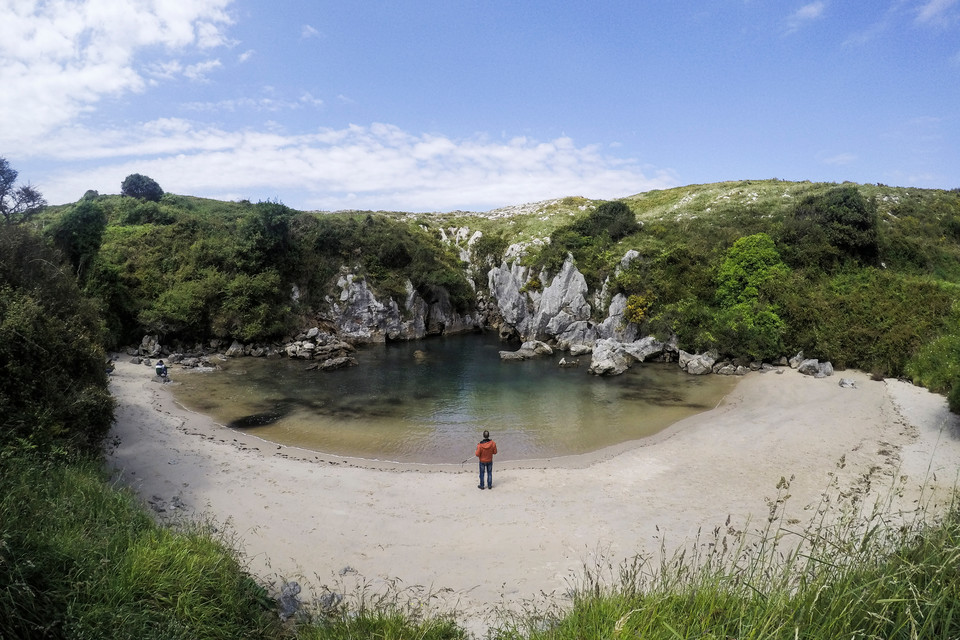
(53, 395)
(140, 186)
(79, 559)
(859, 577)
(863, 275)
(190, 269)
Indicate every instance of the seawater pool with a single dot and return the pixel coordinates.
(429, 401)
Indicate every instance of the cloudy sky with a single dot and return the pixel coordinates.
(436, 105)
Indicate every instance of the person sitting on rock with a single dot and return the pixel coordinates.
(162, 371)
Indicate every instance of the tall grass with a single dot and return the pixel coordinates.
(851, 572)
(79, 559)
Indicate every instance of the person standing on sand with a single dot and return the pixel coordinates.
(486, 449)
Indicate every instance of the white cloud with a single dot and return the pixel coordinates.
(200, 70)
(59, 59)
(937, 12)
(306, 31)
(374, 167)
(805, 14)
(268, 103)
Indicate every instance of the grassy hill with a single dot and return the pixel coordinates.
(862, 275)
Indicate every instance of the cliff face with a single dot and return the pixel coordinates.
(558, 313)
(362, 318)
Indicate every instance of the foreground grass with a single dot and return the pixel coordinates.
(80, 559)
(861, 575)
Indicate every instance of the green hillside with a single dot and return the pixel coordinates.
(861, 275)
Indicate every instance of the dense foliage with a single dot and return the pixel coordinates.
(137, 185)
(861, 275)
(187, 268)
(53, 381)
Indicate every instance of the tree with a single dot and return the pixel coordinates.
(747, 322)
(53, 380)
(830, 228)
(79, 234)
(749, 266)
(17, 203)
(140, 186)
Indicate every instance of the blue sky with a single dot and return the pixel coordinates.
(445, 105)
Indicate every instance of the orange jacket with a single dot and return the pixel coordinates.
(486, 449)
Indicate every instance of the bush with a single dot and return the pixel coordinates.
(615, 220)
(79, 234)
(936, 365)
(750, 329)
(827, 228)
(750, 265)
(53, 381)
(140, 186)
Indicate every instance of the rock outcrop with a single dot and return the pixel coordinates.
(363, 318)
(611, 357)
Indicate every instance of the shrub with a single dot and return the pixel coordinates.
(636, 310)
(750, 264)
(79, 234)
(53, 381)
(936, 365)
(615, 220)
(826, 228)
(750, 329)
(140, 186)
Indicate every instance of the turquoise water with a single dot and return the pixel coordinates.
(429, 401)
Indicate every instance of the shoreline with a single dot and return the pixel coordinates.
(330, 520)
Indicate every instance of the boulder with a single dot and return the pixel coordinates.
(529, 349)
(235, 350)
(150, 347)
(337, 363)
(808, 367)
(579, 336)
(697, 364)
(611, 358)
(580, 349)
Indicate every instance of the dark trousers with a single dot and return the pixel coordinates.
(488, 466)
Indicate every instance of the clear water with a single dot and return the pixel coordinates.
(429, 402)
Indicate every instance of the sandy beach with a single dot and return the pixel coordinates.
(334, 522)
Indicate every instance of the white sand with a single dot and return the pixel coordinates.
(311, 517)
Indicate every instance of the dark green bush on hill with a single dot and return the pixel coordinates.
(80, 233)
(53, 381)
(137, 185)
(826, 229)
(588, 240)
(614, 220)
